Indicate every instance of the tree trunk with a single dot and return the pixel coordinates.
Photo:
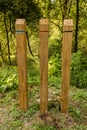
(2, 58)
(77, 26)
(64, 15)
(7, 36)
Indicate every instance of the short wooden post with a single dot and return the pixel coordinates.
(66, 57)
(43, 51)
(20, 26)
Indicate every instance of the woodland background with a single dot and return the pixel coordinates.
(56, 11)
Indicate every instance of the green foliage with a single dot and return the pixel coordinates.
(54, 120)
(8, 78)
(55, 65)
(17, 124)
(54, 45)
(79, 70)
(43, 127)
(13, 9)
(54, 106)
(54, 77)
(33, 71)
(15, 113)
(79, 95)
(54, 57)
(75, 113)
(32, 110)
(34, 80)
(10, 10)
(79, 127)
(5, 5)
(19, 115)
(54, 81)
(78, 107)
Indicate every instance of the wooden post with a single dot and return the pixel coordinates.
(22, 63)
(66, 57)
(43, 51)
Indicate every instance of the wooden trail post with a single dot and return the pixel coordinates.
(43, 51)
(66, 57)
(20, 26)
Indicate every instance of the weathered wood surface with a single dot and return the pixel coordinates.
(66, 59)
(43, 52)
(20, 26)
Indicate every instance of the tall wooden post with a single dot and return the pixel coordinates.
(66, 57)
(43, 51)
(20, 26)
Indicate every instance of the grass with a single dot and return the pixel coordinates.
(43, 127)
(12, 118)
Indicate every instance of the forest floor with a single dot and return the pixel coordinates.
(11, 118)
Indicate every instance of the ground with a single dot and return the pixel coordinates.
(11, 118)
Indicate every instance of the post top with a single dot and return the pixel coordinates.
(43, 25)
(68, 25)
(68, 22)
(20, 21)
(43, 21)
(20, 24)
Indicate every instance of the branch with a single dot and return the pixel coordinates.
(70, 6)
(56, 25)
(29, 44)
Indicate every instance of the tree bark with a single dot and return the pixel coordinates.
(1, 54)
(77, 26)
(65, 9)
(7, 36)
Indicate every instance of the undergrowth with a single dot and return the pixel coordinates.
(8, 78)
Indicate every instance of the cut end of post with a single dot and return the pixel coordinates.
(68, 25)
(43, 21)
(43, 25)
(20, 24)
(68, 22)
(20, 21)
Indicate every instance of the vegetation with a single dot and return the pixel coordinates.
(11, 118)
(79, 70)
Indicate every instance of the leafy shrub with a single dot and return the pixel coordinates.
(55, 65)
(54, 70)
(54, 47)
(33, 71)
(75, 113)
(54, 81)
(8, 78)
(79, 70)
